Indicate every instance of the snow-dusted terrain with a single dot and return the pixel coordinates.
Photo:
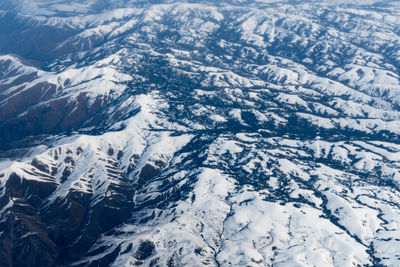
(230, 133)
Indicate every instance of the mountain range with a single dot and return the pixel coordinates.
(199, 133)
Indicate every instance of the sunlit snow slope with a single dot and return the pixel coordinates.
(229, 133)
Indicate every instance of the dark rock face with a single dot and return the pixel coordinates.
(47, 119)
(35, 233)
(25, 235)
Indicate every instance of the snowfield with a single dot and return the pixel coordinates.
(237, 133)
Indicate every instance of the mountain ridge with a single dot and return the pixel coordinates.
(202, 135)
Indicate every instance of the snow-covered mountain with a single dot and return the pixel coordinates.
(229, 133)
